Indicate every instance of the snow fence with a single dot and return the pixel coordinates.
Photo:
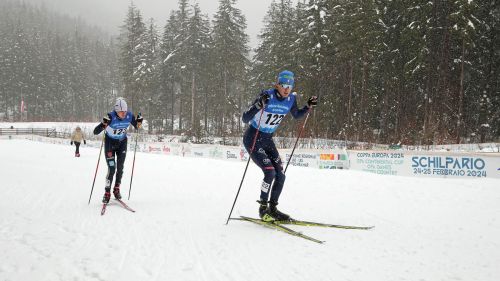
(394, 162)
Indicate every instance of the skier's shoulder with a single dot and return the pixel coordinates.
(268, 92)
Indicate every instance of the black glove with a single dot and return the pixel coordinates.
(71, 142)
(105, 120)
(312, 101)
(262, 101)
(139, 120)
(84, 142)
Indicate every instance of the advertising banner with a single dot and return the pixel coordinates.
(431, 164)
(382, 163)
(339, 160)
(302, 159)
(454, 166)
(397, 163)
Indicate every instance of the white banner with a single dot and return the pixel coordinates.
(397, 163)
(427, 164)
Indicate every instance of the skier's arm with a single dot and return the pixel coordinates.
(296, 112)
(250, 113)
(299, 113)
(257, 105)
(101, 126)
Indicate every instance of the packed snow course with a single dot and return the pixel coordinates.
(425, 229)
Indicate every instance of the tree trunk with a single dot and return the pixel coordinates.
(206, 111)
(349, 100)
(172, 107)
(223, 121)
(461, 93)
(193, 123)
(180, 107)
(361, 126)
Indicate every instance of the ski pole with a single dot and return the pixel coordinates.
(300, 134)
(133, 164)
(248, 162)
(98, 160)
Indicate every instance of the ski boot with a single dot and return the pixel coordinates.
(77, 155)
(273, 214)
(262, 207)
(116, 191)
(106, 197)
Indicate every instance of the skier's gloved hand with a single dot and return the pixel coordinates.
(139, 120)
(262, 101)
(312, 101)
(84, 142)
(105, 120)
(71, 142)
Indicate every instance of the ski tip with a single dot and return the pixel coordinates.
(103, 210)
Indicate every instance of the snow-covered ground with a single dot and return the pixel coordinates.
(426, 229)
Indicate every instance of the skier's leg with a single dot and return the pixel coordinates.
(280, 177)
(259, 156)
(110, 161)
(121, 153)
(272, 212)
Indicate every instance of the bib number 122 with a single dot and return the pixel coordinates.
(274, 119)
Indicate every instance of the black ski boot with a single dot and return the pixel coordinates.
(116, 192)
(107, 196)
(262, 207)
(273, 214)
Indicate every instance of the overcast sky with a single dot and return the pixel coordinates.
(109, 14)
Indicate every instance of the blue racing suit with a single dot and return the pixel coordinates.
(265, 154)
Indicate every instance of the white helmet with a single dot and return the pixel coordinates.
(120, 105)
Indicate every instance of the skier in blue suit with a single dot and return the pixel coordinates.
(115, 125)
(275, 103)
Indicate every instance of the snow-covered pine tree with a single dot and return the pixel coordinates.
(197, 64)
(231, 59)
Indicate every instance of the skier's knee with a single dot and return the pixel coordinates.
(111, 167)
(269, 174)
(280, 176)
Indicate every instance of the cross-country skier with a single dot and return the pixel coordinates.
(275, 103)
(76, 138)
(115, 125)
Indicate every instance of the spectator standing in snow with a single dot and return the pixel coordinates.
(76, 138)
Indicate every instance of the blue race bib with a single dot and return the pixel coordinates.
(274, 112)
(117, 128)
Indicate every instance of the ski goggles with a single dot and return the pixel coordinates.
(286, 86)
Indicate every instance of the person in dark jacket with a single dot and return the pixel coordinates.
(115, 125)
(265, 115)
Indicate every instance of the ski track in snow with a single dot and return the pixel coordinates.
(426, 229)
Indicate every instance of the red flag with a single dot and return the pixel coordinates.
(23, 106)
